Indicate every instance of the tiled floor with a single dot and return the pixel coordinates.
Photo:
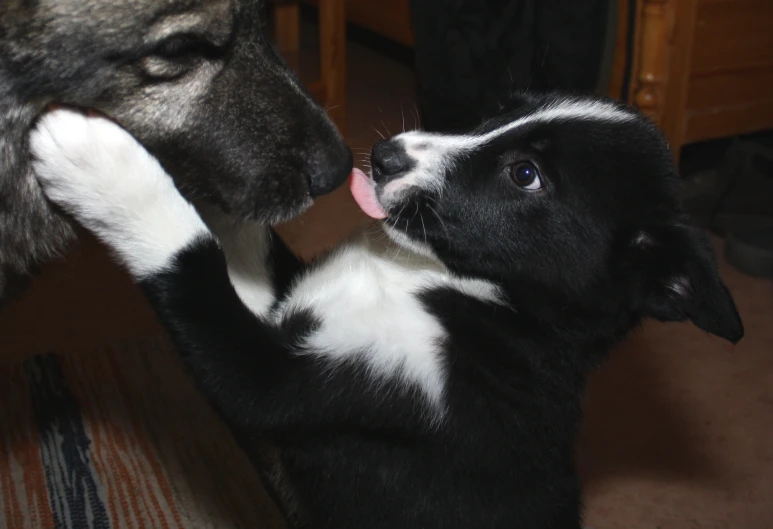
(679, 427)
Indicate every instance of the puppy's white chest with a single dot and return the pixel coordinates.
(369, 310)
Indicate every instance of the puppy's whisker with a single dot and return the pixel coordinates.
(377, 233)
(418, 115)
(394, 227)
(379, 133)
(396, 255)
(440, 220)
(415, 212)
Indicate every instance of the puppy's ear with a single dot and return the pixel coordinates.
(678, 280)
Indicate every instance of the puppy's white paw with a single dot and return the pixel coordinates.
(100, 174)
(91, 166)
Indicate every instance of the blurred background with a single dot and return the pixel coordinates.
(679, 425)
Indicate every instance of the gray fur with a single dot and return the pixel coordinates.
(228, 120)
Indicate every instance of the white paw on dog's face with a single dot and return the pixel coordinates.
(98, 173)
(82, 162)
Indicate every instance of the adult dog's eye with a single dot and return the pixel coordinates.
(178, 46)
(526, 175)
(184, 47)
(178, 55)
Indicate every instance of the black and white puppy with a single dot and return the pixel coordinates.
(431, 378)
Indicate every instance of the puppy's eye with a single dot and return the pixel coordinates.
(526, 175)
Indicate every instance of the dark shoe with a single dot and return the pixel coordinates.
(751, 252)
(747, 203)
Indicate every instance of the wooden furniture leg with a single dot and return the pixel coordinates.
(660, 69)
(673, 119)
(287, 26)
(330, 90)
(332, 45)
(651, 65)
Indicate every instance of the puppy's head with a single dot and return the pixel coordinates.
(196, 81)
(568, 200)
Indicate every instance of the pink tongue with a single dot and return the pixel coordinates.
(364, 193)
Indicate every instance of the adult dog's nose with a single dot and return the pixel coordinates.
(330, 170)
(389, 159)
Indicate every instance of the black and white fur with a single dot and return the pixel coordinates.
(430, 378)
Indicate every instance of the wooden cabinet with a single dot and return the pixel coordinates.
(702, 69)
(388, 18)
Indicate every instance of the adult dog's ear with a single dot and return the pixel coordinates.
(677, 279)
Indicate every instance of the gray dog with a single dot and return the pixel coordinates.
(196, 81)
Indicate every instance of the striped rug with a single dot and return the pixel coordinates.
(119, 439)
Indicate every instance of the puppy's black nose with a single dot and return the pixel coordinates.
(389, 159)
(331, 169)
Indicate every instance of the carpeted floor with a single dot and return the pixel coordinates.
(120, 440)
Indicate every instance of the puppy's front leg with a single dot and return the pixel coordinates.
(104, 178)
(260, 265)
(247, 248)
(249, 368)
